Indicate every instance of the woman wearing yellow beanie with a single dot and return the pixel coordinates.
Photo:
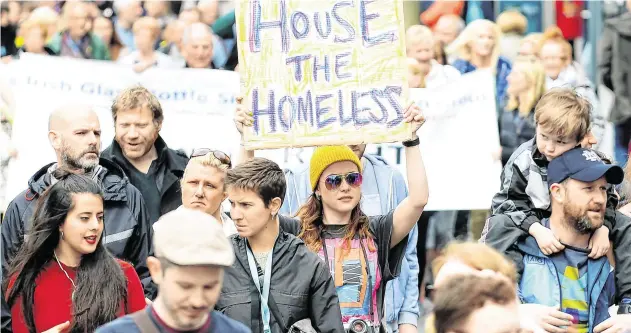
(363, 253)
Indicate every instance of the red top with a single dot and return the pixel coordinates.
(53, 293)
(569, 18)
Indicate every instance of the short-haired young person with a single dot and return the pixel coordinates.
(275, 280)
(562, 120)
(204, 185)
(191, 256)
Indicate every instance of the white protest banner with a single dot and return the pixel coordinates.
(322, 72)
(458, 143)
(198, 105)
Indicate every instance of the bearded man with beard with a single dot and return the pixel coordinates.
(74, 133)
(569, 281)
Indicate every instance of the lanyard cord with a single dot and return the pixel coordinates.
(264, 289)
(361, 245)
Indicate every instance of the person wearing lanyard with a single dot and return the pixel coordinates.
(275, 282)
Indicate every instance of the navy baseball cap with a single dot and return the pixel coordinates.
(583, 165)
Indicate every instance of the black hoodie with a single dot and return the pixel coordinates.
(127, 229)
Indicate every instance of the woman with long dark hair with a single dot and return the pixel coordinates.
(63, 271)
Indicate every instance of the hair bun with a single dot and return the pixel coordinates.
(552, 32)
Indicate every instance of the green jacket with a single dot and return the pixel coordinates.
(99, 49)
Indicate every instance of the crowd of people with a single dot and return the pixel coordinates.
(133, 237)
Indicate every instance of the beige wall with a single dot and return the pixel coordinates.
(411, 11)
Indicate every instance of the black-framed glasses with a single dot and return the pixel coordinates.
(332, 182)
(221, 156)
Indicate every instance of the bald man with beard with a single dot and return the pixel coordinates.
(74, 132)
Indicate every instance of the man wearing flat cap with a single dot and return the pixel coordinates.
(191, 253)
(569, 280)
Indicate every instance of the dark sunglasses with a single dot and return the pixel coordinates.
(332, 182)
(221, 156)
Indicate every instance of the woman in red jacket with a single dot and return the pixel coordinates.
(63, 273)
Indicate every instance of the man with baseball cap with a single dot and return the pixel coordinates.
(191, 253)
(580, 287)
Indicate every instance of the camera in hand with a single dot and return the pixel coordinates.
(358, 326)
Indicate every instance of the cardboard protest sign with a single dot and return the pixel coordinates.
(317, 72)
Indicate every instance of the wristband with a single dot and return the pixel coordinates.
(411, 143)
(624, 306)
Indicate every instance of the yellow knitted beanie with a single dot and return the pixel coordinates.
(324, 156)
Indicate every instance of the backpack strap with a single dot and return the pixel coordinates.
(144, 322)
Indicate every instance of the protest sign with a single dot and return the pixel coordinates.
(458, 143)
(322, 72)
(198, 105)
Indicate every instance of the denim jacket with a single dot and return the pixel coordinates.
(540, 282)
(383, 188)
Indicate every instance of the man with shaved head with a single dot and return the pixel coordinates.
(74, 133)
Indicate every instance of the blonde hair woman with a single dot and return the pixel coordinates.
(526, 85)
(477, 48)
(425, 71)
(33, 35)
(47, 17)
(146, 33)
(513, 25)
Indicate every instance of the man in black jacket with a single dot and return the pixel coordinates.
(276, 281)
(140, 151)
(75, 134)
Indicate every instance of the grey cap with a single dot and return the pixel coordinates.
(188, 237)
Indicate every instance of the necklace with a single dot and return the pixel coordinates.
(74, 286)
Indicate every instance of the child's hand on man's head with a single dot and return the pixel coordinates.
(599, 243)
(546, 240)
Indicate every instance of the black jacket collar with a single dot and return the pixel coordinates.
(175, 161)
(113, 180)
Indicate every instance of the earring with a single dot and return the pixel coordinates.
(62, 234)
(317, 196)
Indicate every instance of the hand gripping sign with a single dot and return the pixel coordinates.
(317, 72)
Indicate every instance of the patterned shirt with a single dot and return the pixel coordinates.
(571, 266)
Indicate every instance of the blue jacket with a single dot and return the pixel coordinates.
(383, 189)
(540, 282)
(504, 68)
